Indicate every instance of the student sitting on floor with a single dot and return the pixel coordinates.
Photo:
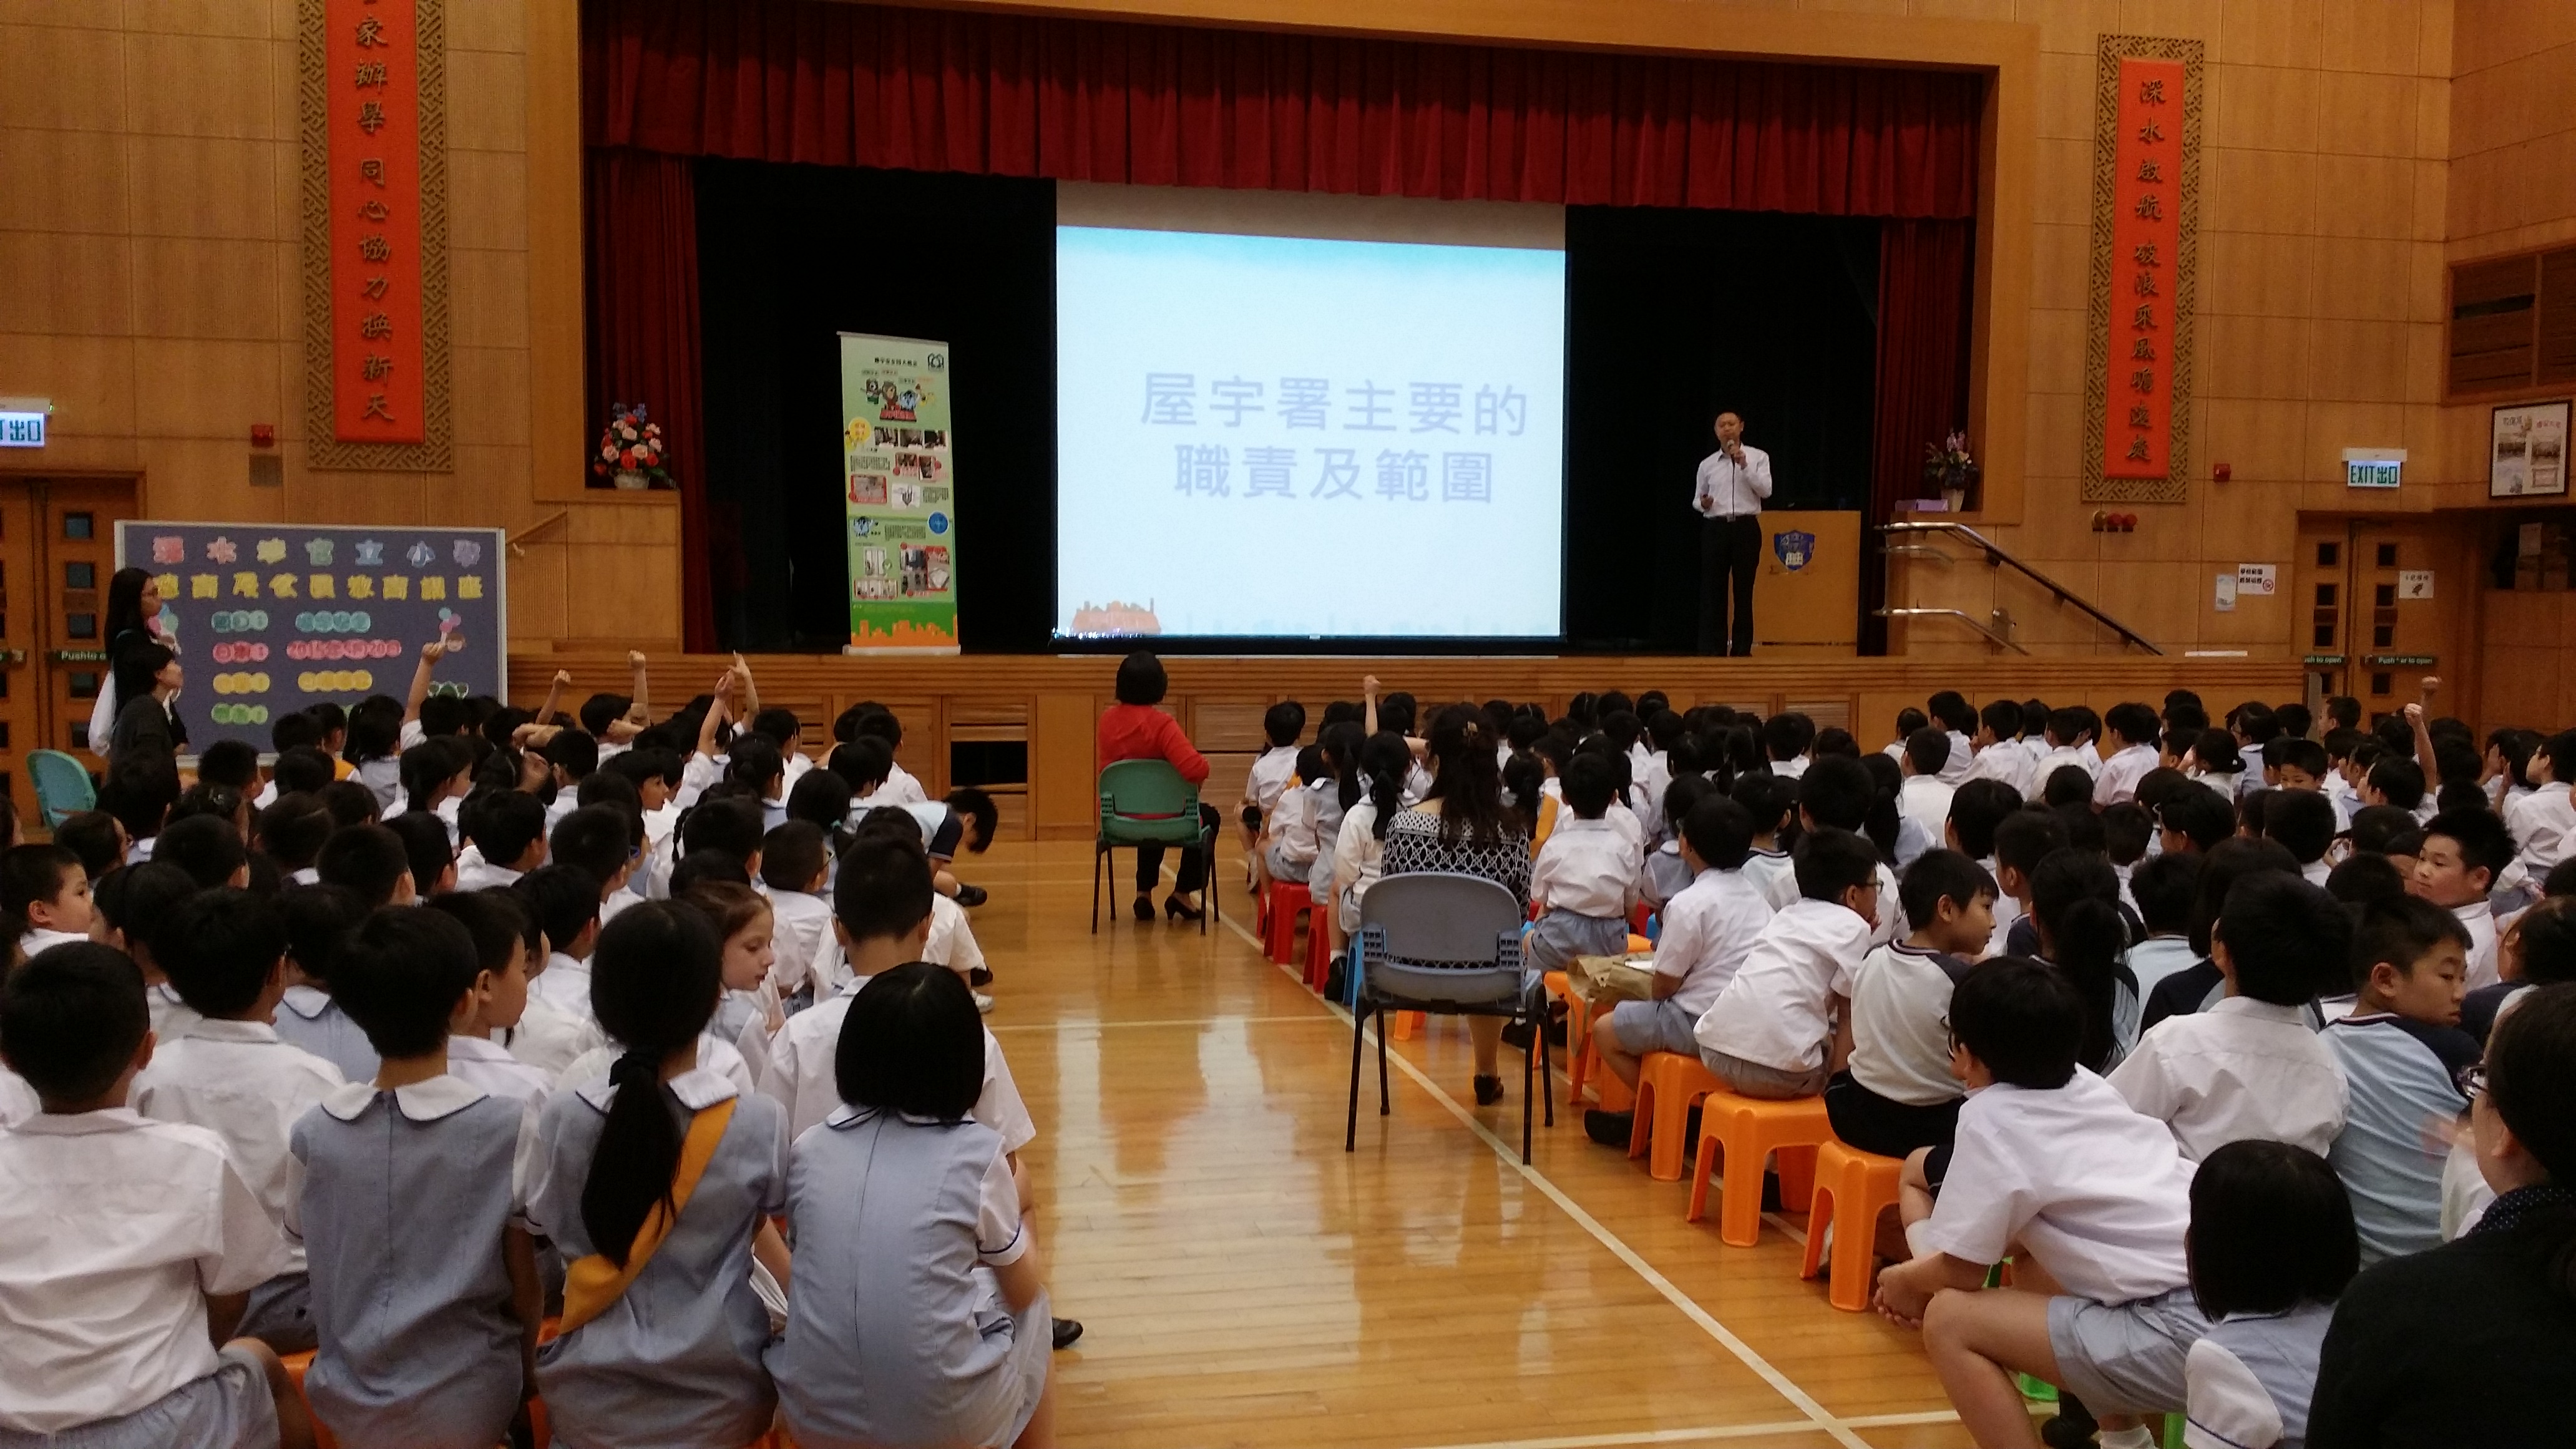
(227, 1071)
(425, 1290)
(1771, 1032)
(44, 889)
(2251, 1067)
(920, 1312)
(129, 902)
(658, 1184)
(2271, 1247)
(1585, 876)
(2463, 852)
(2405, 1062)
(1896, 1094)
(131, 1243)
(1709, 928)
(2089, 1198)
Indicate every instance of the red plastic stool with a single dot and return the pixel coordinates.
(1852, 1188)
(1280, 904)
(1319, 951)
(1749, 1130)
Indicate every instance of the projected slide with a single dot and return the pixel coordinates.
(1263, 436)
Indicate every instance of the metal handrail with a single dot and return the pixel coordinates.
(1995, 555)
(1962, 615)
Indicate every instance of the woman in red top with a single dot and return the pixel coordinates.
(1133, 729)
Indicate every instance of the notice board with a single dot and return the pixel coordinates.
(270, 618)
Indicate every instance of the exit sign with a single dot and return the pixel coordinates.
(22, 421)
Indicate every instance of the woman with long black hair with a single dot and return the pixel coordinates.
(133, 621)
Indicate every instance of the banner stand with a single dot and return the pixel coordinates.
(899, 495)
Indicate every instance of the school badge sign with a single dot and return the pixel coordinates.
(899, 495)
(1795, 548)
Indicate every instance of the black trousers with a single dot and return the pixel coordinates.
(1730, 551)
(1872, 1123)
(1189, 875)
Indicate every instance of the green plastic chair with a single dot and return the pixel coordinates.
(1146, 802)
(63, 787)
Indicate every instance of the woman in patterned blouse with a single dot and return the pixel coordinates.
(1464, 826)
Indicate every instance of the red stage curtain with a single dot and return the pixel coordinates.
(1164, 105)
(640, 234)
(1082, 100)
(1924, 276)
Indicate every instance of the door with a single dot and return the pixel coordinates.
(57, 552)
(2365, 632)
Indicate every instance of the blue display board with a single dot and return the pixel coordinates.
(271, 618)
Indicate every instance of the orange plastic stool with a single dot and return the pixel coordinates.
(1408, 1025)
(1667, 1084)
(1638, 945)
(296, 1364)
(1749, 1130)
(1859, 1186)
(1280, 903)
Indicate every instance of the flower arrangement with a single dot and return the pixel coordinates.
(630, 450)
(1952, 469)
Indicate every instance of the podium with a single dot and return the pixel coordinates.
(1806, 592)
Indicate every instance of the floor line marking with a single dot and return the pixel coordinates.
(1059, 1026)
(1744, 1352)
(1650, 1436)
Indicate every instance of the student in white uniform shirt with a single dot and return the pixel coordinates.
(1585, 877)
(2462, 854)
(44, 886)
(500, 925)
(2070, 740)
(1271, 770)
(1838, 793)
(2544, 821)
(291, 834)
(2252, 1066)
(1786, 738)
(1999, 752)
(225, 952)
(1770, 801)
(2049, 1164)
(2134, 727)
(120, 1230)
(1771, 1032)
(1925, 796)
(1952, 716)
(1709, 930)
(565, 901)
(2303, 822)
(794, 870)
(128, 903)
(508, 830)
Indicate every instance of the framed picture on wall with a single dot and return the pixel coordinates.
(2527, 450)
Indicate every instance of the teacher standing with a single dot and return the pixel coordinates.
(1733, 481)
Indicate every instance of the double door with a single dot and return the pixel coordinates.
(2369, 627)
(57, 552)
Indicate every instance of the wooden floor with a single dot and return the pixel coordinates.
(1245, 1282)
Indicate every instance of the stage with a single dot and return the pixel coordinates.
(1021, 724)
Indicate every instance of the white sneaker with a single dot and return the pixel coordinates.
(984, 1002)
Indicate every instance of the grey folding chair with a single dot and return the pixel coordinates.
(1444, 945)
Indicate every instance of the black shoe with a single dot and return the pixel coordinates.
(1489, 1090)
(1516, 1035)
(1556, 1034)
(1067, 1331)
(1178, 909)
(1337, 979)
(980, 976)
(972, 895)
(2071, 1427)
(1610, 1129)
(1144, 908)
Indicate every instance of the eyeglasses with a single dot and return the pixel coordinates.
(2473, 1081)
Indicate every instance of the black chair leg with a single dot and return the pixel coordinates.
(1383, 1107)
(1351, 1130)
(1546, 1077)
(1527, 1057)
(1098, 854)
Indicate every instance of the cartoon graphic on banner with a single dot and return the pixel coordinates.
(899, 495)
(274, 618)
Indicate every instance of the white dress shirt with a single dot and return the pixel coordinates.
(1727, 489)
(1709, 929)
(1925, 800)
(2479, 918)
(238, 1081)
(2007, 762)
(550, 1038)
(2096, 1191)
(564, 985)
(801, 941)
(482, 1062)
(1588, 867)
(482, 875)
(2083, 757)
(42, 939)
(117, 1228)
(1776, 1010)
(716, 1057)
(2116, 783)
(2542, 823)
(2244, 1069)
(18, 1101)
(800, 1075)
(1956, 769)
(1268, 776)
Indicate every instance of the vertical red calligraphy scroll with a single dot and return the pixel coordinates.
(379, 363)
(2146, 242)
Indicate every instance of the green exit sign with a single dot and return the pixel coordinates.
(22, 429)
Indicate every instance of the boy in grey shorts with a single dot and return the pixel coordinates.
(2090, 1199)
(1708, 927)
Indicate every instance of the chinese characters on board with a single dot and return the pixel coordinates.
(2146, 231)
(1395, 469)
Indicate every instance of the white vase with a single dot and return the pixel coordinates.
(633, 482)
(1955, 499)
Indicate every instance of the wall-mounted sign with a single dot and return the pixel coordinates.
(22, 421)
(2259, 580)
(2146, 143)
(2414, 583)
(2372, 467)
(2527, 450)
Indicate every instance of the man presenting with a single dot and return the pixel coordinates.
(1733, 481)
